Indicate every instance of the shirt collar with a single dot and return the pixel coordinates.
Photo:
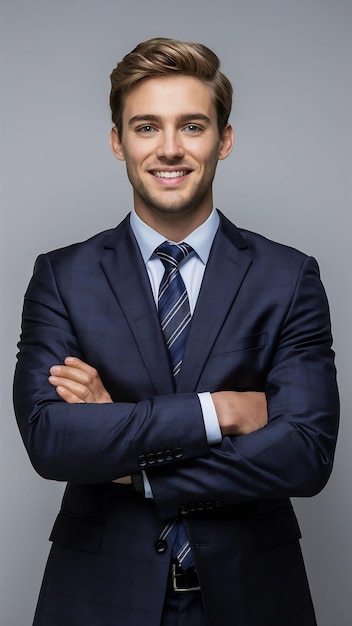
(200, 239)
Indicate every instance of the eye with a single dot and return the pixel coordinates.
(193, 128)
(146, 129)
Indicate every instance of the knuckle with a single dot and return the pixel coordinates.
(92, 376)
(85, 394)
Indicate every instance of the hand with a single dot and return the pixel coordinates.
(76, 381)
(124, 480)
(240, 413)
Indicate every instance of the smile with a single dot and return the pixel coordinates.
(175, 174)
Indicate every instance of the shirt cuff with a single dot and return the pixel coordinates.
(147, 488)
(212, 431)
(211, 422)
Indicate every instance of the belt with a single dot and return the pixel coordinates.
(183, 580)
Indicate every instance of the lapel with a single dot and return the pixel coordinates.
(125, 271)
(227, 266)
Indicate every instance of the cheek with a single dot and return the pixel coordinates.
(210, 160)
(206, 153)
(138, 158)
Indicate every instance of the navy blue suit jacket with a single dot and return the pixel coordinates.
(261, 323)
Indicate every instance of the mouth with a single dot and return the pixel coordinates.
(170, 174)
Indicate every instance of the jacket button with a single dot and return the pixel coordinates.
(168, 455)
(178, 453)
(161, 546)
(142, 461)
(183, 509)
(160, 457)
(151, 458)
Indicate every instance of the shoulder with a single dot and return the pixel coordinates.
(258, 246)
(89, 249)
(271, 262)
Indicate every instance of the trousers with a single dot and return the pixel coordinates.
(183, 609)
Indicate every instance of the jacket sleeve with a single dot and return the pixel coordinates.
(293, 454)
(88, 443)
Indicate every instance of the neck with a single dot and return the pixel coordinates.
(174, 227)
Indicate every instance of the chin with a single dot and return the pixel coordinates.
(181, 208)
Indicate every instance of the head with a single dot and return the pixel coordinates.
(161, 57)
(170, 106)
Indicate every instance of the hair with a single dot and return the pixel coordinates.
(161, 57)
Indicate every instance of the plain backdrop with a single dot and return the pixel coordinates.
(289, 178)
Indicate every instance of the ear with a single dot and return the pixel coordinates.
(116, 145)
(226, 142)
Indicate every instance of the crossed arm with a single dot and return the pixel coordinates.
(238, 413)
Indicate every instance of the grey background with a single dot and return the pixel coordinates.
(289, 177)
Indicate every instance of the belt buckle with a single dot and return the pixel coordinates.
(177, 572)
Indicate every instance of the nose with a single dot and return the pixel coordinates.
(170, 145)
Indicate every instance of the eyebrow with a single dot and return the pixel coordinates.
(186, 117)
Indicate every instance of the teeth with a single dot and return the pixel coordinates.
(161, 174)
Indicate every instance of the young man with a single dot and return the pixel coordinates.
(185, 390)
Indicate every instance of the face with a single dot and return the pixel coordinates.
(171, 145)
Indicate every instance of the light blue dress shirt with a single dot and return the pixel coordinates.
(192, 271)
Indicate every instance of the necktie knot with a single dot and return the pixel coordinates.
(171, 254)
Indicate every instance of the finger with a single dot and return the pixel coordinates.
(72, 387)
(74, 361)
(68, 396)
(78, 375)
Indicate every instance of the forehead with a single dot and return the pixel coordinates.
(169, 96)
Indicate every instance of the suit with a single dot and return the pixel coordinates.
(261, 323)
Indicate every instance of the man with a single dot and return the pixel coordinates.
(182, 429)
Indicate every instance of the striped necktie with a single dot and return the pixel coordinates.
(173, 303)
(175, 317)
